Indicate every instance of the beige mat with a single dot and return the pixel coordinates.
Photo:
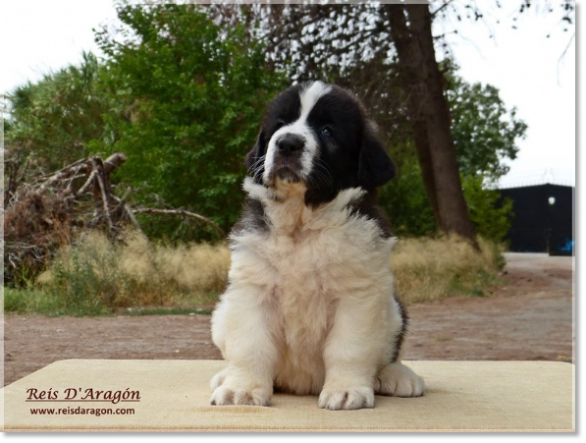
(174, 396)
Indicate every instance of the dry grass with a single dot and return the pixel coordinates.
(428, 269)
(96, 275)
(94, 272)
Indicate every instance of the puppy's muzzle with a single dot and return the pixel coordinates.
(287, 164)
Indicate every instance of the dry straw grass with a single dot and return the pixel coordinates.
(95, 274)
(429, 269)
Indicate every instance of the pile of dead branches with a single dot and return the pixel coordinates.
(45, 213)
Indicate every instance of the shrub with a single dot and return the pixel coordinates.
(194, 94)
(489, 213)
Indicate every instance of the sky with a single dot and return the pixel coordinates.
(528, 68)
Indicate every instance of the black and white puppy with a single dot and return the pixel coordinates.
(310, 307)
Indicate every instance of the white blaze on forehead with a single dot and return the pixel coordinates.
(308, 97)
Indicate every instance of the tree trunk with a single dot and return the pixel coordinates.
(409, 61)
(426, 165)
(429, 112)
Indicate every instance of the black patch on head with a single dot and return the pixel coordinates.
(398, 341)
(375, 168)
(336, 166)
(367, 208)
(284, 109)
(253, 218)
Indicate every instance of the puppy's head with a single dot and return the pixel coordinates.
(318, 136)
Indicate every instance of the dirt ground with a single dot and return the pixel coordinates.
(529, 318)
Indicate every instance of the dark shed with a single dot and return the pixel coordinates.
(543, 219)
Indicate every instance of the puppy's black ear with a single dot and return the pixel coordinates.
(254, 161)
(375, 168)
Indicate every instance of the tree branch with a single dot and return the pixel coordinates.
(180, 212)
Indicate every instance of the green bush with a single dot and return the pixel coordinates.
(87, 276)
(32, 300)
(489, 213)
(194, 95)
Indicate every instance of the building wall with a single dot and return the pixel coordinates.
(539, 226)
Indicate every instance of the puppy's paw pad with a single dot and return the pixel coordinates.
(346, 399)
(397, 380)
(223, 396)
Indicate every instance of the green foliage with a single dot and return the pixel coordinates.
(88, 279)
(484, 131)
(13, 300)
(491, 216)
(405, 201)
(195, 95)
(55, 120)
(35, 300)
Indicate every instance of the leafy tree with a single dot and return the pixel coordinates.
(194, 94)
(484, 130)
(56, 120)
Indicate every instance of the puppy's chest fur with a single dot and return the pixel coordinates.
(306, 260)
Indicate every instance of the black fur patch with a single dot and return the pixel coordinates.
(401, 335)
(284, 109)
(253, 218)
(367, 208)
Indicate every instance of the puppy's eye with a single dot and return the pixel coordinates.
(326, 131)
(280, 124)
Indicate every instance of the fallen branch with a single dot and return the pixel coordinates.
(180, 212)
(126, 210)
(113, 162)
(87, 183)
(102, 189)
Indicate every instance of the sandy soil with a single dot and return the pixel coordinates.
(530, 318)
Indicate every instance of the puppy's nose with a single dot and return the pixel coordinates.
(289, 144)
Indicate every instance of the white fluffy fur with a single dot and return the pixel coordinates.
(309, 307)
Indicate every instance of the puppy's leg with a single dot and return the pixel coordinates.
(352, 351)
(397, 380)
(241, 329)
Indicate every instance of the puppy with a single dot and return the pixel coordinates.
(310, 307)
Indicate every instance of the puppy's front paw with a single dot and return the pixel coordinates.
(351, 398)
(218, 379)
(227, 395)
(397, 380)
